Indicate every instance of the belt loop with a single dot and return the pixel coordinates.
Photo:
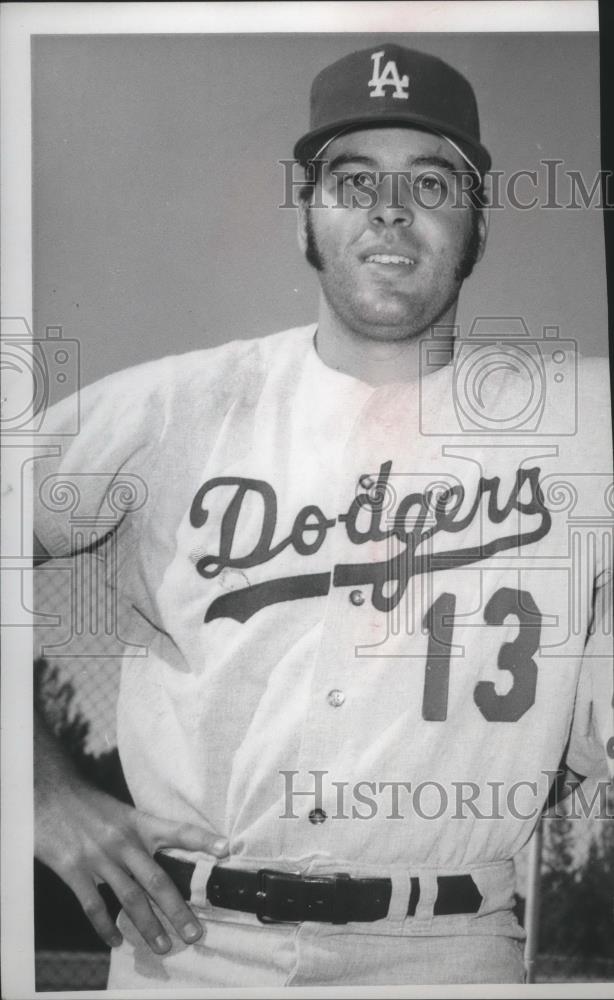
(428, 894)
(399, 897)
(198, 885)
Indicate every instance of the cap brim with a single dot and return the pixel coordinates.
(310, 143)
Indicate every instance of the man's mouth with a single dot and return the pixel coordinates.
(389, 258)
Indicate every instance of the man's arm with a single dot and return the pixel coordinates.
(39, 552)
(88, 837)
(84, 835)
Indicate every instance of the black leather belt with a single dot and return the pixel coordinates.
(281, 897)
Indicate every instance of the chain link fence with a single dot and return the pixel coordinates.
(78, 647)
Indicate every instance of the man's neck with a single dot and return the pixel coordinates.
(378, 362)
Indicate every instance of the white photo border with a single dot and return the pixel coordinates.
(20, 21)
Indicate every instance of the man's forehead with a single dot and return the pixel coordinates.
(390, 143)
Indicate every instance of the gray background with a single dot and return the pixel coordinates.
(156, 186)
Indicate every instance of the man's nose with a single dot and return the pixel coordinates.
(393, 206)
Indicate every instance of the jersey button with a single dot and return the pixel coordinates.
(317, 816)
(357, 597)
(335, 698)
(609, 747)
(366, 481)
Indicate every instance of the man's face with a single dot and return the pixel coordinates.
(392, 233)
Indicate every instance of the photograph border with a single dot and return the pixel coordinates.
(19, 22)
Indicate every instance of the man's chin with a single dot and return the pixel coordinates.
(383, 323)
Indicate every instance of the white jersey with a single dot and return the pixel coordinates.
(346, 593)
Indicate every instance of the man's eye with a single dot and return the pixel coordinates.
(431, 182)
(356, 179)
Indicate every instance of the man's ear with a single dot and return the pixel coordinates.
(301, 224)
(483, 226)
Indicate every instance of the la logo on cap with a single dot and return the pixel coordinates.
(388, 77)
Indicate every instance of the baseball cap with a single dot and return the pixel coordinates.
(392, 85)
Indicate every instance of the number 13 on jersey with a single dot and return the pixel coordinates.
(515, 657)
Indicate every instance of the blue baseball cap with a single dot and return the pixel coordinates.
(392, 85)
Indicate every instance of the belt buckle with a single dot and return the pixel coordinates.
(264, 896)
(333, 909)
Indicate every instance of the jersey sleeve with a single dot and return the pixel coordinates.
(591, 745)
(86, 483)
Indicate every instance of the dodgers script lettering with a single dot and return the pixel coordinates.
(418, 517)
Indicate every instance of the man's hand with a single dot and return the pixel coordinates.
(88, 837)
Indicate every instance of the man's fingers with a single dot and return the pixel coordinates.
(95, 910)
(164, 833)
(136, 904)
(163, 891)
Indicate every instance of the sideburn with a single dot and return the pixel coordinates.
(472, 250)
(312, 253)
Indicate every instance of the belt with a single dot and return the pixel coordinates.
(283, 897)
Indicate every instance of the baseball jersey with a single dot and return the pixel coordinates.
(375, 622)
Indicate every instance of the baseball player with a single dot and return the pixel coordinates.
(366, 661)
